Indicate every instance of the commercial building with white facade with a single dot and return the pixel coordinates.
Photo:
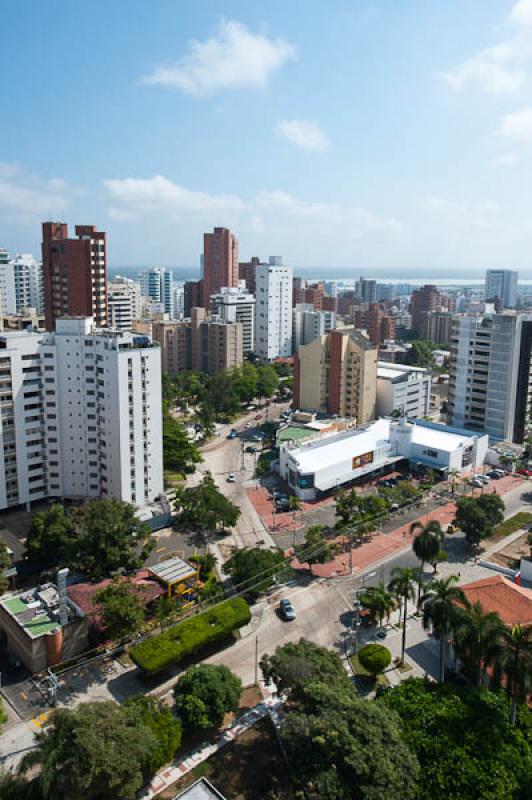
(403, 390)
(320, 465)
(123, 303)
(80, 415)
(235, 304)
(273, 311)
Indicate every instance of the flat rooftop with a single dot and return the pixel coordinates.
(173, 570)
(390, 370)
(293, 433)
(32, 612)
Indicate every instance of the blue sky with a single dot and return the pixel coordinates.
(384, 135)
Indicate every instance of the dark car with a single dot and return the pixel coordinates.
(287, 610)
(251, 449)
(233, 433)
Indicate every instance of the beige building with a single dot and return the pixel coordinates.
(337, 374)
(174, 339)
(216, 345)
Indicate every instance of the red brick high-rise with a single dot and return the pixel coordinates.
(423, 300)
(75, 273)
(220, 262)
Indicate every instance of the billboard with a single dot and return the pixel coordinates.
(361, 461)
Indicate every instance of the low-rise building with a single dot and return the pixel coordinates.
(318, 466)
(402, 390)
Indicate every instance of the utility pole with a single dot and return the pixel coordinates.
(256, 660)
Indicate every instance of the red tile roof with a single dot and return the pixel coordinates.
(511, 602)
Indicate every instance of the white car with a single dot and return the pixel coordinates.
(231, 478)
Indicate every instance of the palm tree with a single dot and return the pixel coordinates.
(379, 601)
(402, 585)
(426, 544)
(478, 638)
(440, 610)
(516, 664)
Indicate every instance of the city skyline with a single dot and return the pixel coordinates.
(403, 147)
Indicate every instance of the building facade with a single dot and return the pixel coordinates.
(337, 374)
(309, 324)
(174, 338)
(124, 305)
(158, 283)
(423, 300)
(220, 262)
(8, 304)
(501, 284)
(28, 280)
(490, 381)
(74, 273)
(81, 415)
(403, 390)
(273, 311)
(237, 305)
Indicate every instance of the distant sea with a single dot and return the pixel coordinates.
(347, 277)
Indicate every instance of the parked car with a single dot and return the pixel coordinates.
(526, 472)
(494, 474)
(482, 478)
(287, 610)
(233, 433)
(231, 478)
(251, 449)
(475, 483)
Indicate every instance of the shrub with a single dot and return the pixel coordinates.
(375, 658)
(191, 636)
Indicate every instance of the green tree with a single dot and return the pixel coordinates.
(374, 657)
(51, 537)
(204, 506)
(440, 605)
(254, 569)
(204, 694)
(152, 713)
(478, 635)
(246, 382)
(463, 741)
(221, 394)
(268, 381)
(98, 750)
(421, 354)
(426, 544)
(516, 665)
(315, 549)
(351, 749)
(478, 516)
(110, 538)
(402, 585)
(15, 787)
(180, 454)
(295, 665)
(379, 601)
(121, 607)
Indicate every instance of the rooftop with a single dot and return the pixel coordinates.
(201, 790)
(512, 603)
(36, 611)
(390, 370)
(173, 570)
(294, 433)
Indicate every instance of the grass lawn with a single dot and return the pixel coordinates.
(510, 525)
(247, 769)
(173, 479)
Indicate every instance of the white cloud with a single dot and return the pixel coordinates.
(304, 134)
(266, 211)
(504, 68)
(136, 195)
(506, 159)
(235, 57)
(517, 126)
(457, 216)
(25, 197)
(522, 13)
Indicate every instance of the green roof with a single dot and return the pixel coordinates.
(15, 605)
(293, 433)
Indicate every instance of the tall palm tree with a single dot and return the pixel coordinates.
(402, 585)
(426, 544)
(478, 637)
(379, 601)
(440, 606)
(516, 664)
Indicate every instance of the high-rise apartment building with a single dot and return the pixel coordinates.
(402, 389)
(309, 324)
(273, 313)
(8, 303)
(192, 296)
(337, 374)
(220, 262)
(28, 280)
(490, 380)
(237, 305)
(423, 300)
(123, 300)
(216, 345)
(179, 301)
(438, 326)
(157, 283)
(81, 415)
(75, 273)
(174, 338)
(501, 284)
(379, 325)
(366, 289)
(246, 272)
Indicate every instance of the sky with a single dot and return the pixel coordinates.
(383, 136)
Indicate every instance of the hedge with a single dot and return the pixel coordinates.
(375, 658)
(183, 640)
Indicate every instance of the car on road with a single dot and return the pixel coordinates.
(231, 478)
(525, 472)
(233, 433)
(482, 478)
(494, 474)
(251, 449)
(287, 610)
(476, 483)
